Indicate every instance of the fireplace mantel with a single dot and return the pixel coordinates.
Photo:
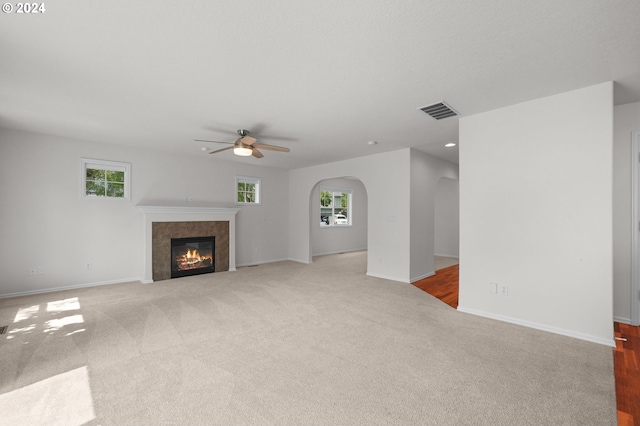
(159, 213)
(187, 210)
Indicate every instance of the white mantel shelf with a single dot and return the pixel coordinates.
(185, 214)
(187, 209)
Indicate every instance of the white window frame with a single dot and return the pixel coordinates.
(249, 179)
(349, 206)
(90, 163)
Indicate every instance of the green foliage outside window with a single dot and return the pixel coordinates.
(104, 183)
(326, 198)
(344, 202)
(246, 192)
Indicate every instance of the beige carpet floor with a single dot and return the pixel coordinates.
(287, 344)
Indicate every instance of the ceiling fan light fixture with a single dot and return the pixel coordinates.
(244, 146)
(242, 151)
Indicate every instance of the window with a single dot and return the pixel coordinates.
(105, 179)
(335, 207)
(248, 190)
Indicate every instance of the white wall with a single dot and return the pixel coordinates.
(399, 247)
(536, 213)
(626, 119)
(45, 223)
(332, 239)
(447, 218)
(383, 176)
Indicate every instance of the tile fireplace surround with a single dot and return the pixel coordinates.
(161, 223)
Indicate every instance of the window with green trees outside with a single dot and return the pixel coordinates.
(335, 207)
(247, 190)
(107, 179)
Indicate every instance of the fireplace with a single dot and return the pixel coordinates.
(192, 256)
(162, 223)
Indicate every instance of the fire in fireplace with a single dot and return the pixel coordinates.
(192, 256)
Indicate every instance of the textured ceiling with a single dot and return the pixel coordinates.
(322, 78)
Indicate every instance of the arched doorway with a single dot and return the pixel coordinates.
(338, 212)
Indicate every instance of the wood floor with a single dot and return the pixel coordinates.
(626, 355)
(443, 285)
(626, 362)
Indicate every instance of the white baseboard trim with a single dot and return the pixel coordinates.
(261, 262)
(339, 251)
(421, 277)
(306, 262)
(537, 326)
(71, 287)
(386, 277)
(455, 256)
(622, 320)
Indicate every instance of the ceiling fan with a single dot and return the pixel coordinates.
(246, 145)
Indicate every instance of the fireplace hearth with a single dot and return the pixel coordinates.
(192, 256)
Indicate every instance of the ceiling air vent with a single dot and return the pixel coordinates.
(439, 111)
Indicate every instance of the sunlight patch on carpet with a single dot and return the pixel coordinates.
(71, 304)
(64, 399)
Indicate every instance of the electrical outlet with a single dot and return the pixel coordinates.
(504, 289)
(36, 270)
(493, 288)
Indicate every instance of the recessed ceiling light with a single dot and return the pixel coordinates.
(372, 143)
(204, 148)
(450, 144)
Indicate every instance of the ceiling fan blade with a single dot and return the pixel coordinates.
(257, 153)
(223, 149)
(247, 140)
(271, 147)
(202, 140)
